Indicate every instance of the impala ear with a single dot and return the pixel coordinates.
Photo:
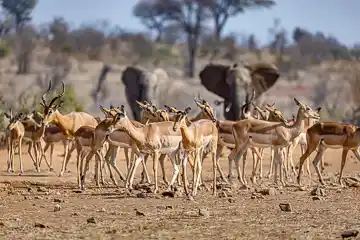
(297, 102)
(318, 109)
(104, 109)
(7, 115)
(187, 110)
(141, 104)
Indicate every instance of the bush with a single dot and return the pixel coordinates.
(70, 101)
(67, 49)
(4, 50)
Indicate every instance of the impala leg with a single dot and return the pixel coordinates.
(107, 161)
(162, 165)
(219, 150)
(356, 153)
(36, 156)
(64, 160)
(214, 160)
(261, 163)
(126, 153)
(256, 159)
(20, 156)
(244, 166)
(184, 175)
(176, 170)
(30, 146)
(113, 155)
(241, 153)
(9, 147)
(83, 177)
(310, 148)
(271, 162)
(69, 155)
(78, 168)
(155, 170)
(279, 153)
(319, 155)
(133, 170)
(145, 173)
(197, 172)
(343, 161)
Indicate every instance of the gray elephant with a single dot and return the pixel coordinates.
(142, 85)
(233, 83)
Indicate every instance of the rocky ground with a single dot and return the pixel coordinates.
(45, 206)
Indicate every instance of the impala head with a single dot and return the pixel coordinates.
(34, 116)
(181, 118)
(119, 118)
(13, 120)
(261, 111)
(274, 113)
(205, 108)
(51, 108)
(148, 109)
(306, 110)
(162, 115)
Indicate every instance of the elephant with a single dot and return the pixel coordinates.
(142, 85)
(233, 83)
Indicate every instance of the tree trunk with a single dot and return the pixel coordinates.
(192, 48)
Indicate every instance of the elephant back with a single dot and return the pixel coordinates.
(213, 78)
(264, 76)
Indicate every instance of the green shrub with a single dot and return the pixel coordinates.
(67, 49)
(4, 50)
(70, 101)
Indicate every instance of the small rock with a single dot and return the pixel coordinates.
(317, 198)
(2, 224)
(39, 225)
(57, 208)
(74, 214)
(302, 188)
(42, 189)
(318, 192)
(141, 195)
(222, 194)
(138, 213)
(91, 220)
(102, 210)
(286, 207)
(349, 233)
(168, 194)
(58, 193)
(38, 197)
(57, 200)
(113, 231)
(204, 212)
(266, 191)
(257, 196)
(169, 207)
(231, 200)
(29, 189)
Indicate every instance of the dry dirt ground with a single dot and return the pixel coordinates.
(45, 206)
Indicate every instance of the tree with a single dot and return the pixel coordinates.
(222, 10)
(148, 13)
(20, 10)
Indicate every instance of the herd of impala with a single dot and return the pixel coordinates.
(172, 133)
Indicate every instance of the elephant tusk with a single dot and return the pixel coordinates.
(227, 109)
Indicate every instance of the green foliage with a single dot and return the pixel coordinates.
(20, 9)
(70, 101)
(67, 49)
(4, 50)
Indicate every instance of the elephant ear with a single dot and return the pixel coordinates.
(264, 76)
(213, 78)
